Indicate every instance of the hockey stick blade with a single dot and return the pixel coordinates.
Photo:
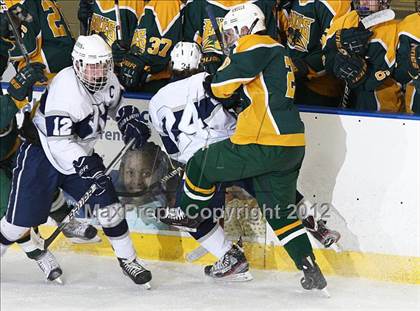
(378, 18)
(85, 198)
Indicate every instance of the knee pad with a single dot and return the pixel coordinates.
(12, 232)
(58, 201)
(111, 216)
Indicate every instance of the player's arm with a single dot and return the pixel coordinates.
(192, 21)
(327, 12)
(29, 27)
(406, 60)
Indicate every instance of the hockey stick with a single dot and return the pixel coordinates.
(215, 25)
(18, 38)
(84, 28)
(85, 197)
(368, 22)
(118, 26)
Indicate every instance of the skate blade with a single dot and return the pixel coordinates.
(96, 239)
(186, 229)
(237, 277)
(195, 254)
(325, 292)
(336, 247)
(147, 286)
(57, 281)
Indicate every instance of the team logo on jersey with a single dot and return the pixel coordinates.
(210, 42)
(139, 40)
(103, 26)
(299, 31)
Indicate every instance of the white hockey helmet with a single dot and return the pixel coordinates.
(185, 56)
(92, 62)
(241, 20)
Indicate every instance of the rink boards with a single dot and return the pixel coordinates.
(366, 165)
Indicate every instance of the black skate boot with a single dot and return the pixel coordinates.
(49, 265)
(312, 276)
(81, 233)
(319, 230)
(175, 217)
(136, 272)
(233, 266)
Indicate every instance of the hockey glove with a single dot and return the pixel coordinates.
(414, 65)
(211, 62)
(119, 50)
(85, 11)
(132, 71)
(92, 168)
(231, 102)
(351, 69)
(354, 40)
(21, 85)
(131, 126)
(300, 68)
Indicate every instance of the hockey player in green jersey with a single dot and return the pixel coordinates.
(307, 21)
(268, 144)
(198, 28)
(99, 17)
(365, 58)
(45, 34)
(145, 67)
(408, 61)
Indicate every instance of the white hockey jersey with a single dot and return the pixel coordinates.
(187, 119)
(70, 120)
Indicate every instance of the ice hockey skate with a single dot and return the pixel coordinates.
(327, 237)
(176, 218)
(49, 265)
(136, 272)
(232, 267)
(312, 276)
(81, 233)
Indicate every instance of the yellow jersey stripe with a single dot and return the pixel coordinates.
(288, 227)
(198, 189)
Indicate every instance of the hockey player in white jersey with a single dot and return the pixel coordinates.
(71, 116)
(188, 120)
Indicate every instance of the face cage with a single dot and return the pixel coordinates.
(230, 37)
(93, 76)
(364, 10)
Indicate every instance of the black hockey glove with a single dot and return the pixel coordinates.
(131, 126)
(92, 168)
(211, 62)
(120, 49)
(21, 85)
(353, 40)
(85, 11)
(351, 69)
(414, 65)
(18, 15)
(231, 102)
(132, 72)
(300, 68)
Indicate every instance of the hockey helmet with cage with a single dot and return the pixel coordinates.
(185, 56)
(241, 20)
(92, 62)
(367, 7)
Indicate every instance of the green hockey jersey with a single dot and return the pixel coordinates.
(47, 38)
(104, 21)
(261, 70)
(307, 22)
(379, 91)
(408, 35)
(158, 30)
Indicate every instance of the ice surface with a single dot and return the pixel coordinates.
(97, 283)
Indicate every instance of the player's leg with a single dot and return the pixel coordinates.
(276, 194)
(33, 183)
(76, 231)
(111, 216)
